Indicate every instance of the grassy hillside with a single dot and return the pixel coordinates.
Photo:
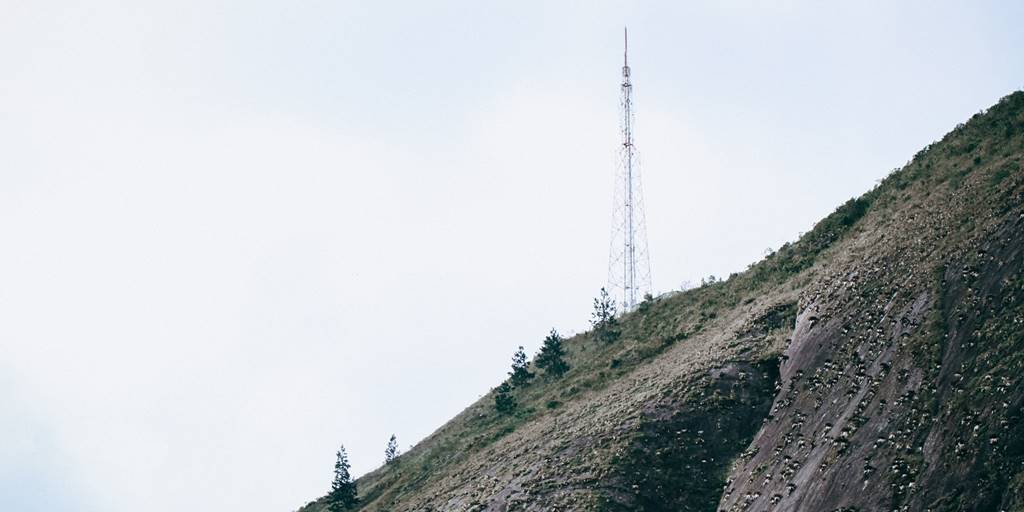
(777, 383)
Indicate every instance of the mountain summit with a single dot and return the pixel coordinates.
(875, 364)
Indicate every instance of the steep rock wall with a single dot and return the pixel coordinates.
(902, 386)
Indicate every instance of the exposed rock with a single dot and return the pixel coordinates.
(875, 364)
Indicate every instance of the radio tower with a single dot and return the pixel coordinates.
(629, 268)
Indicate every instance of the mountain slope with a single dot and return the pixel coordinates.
(872, 365)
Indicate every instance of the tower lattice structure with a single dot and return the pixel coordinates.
(629, 267)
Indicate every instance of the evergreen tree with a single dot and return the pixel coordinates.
(504, 402)
(520, 374)
(606, 327)
(551, 357)
(343, 495)
(391, 451)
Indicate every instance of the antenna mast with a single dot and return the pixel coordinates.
(629, 267)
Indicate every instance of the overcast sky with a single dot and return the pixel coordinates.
(235, 234)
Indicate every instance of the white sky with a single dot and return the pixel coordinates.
(234, 234)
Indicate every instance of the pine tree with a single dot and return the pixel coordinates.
(343, 495)
(606, 327)
(391, 451)
(520, 374)
(504, 402)
(551, 357)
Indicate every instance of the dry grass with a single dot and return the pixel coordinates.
(573, 442)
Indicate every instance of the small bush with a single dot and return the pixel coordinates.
(999, 176)
(504, 402)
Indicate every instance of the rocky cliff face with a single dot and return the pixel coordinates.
(901, 388)
(875, 364)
